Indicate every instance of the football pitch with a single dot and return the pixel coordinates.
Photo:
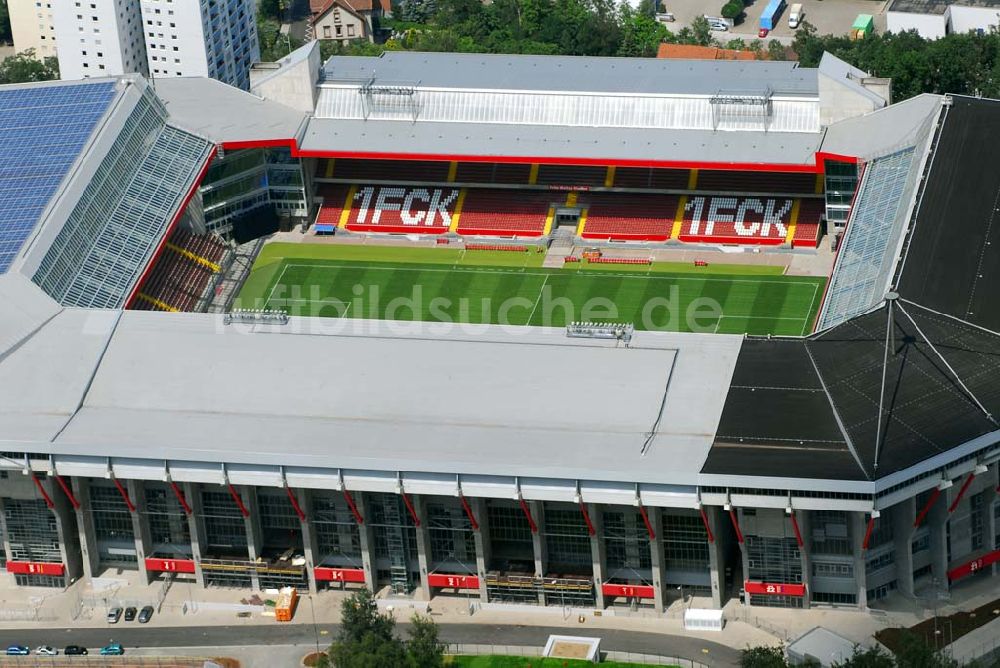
(512, 288)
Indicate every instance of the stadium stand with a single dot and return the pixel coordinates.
(629, 217)
(333, 196)
(809, 224)
(404, 171)
(571, 175)
(400, 209)
(768, 221)
(487, 172)
(504, 213)
(644, 177)
(756, 182)
(182, 273)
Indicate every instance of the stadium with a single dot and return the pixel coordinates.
(193, 387)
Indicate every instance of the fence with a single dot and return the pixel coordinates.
(627, 657)
(26, 615)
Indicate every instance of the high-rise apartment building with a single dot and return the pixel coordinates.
(159, 38)
(99, 38)
(31, 26)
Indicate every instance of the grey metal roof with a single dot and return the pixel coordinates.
(221, 113)
(523, 401)
(573, 73)
(390, 138)
(883, 131)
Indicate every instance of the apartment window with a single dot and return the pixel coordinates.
(350, 31)
(326, 32)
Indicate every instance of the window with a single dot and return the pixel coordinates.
(327, 33)
(350, 31)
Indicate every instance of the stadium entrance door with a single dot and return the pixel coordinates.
(569, 217)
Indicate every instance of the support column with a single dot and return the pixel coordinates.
(805, 528)
(481, 536)
(716, 561)
(598, 552)
(308, 540)
(936, 520)
(140, 528)
(7, 555)
(902, 515)
(196, 527)
(538, 543)
(85, 526)
(423, 543)
(657, 558)
(255, 534)
(859, 526)
(366, 539)
(66, 530)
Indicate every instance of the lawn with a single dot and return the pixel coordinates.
(448, 285)
(527, 662)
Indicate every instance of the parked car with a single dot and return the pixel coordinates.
(46, 650)
(762, 33)
(114, 649)
(145, 614)
(75, 650)
(114, 614)
(18, 650)
(130, 613)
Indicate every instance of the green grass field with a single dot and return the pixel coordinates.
(527, 662)
(448, 285)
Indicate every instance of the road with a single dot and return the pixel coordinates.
(133, 636)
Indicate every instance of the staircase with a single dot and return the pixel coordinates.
(561, 245)
(399, 568)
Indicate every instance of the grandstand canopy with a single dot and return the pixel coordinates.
(43, 130)
(481, 71)
(914, 380)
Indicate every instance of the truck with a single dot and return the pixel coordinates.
(769, 19)
(795, 15)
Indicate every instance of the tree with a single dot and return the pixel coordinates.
(873, 657)
(700, 33)
(776, 50)
(763, 657)
(425, 647)
(641, 35)
(732, 10)
(914, 652)
(23, 67)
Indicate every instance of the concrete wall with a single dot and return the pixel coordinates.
(965, 19)
(291, 84)
(32, 27)
(931, 26)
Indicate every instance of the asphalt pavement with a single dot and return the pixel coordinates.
(134, 636)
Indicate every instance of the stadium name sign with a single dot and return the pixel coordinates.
(424, 207)
(750, 217)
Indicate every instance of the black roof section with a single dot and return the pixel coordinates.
(953, 261)
(911, 379)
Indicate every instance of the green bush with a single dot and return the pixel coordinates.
(733, 10)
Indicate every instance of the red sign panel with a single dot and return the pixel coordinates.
(35, 568)
(169, 565)
(974, 566)
(402, 210)
(774, 589)
(324, 574)
(453, 581)
(630, 591)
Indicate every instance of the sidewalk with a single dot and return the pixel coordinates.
(85, 604)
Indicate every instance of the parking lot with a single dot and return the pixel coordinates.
(829, 16)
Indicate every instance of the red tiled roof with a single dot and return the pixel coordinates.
(693, 52)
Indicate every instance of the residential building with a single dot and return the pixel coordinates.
(348, 20)
(99, 38)
(31, 26)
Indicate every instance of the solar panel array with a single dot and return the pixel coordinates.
(42, 131)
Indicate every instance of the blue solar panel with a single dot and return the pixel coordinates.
(42, 130)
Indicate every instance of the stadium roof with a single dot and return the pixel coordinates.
(912, 380)
(224, 114)
(477, 71)
(546, 143)
(376, 395)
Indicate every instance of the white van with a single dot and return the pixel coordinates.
(795, 15)
(717, 23)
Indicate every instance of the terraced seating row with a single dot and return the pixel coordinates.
(181, 272)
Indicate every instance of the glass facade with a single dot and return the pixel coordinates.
(867, 254)
(123, 212)
(841, 182)
(112, 525)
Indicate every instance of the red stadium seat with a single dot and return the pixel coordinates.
(506, 213)
(182, 273)
(626, 217)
